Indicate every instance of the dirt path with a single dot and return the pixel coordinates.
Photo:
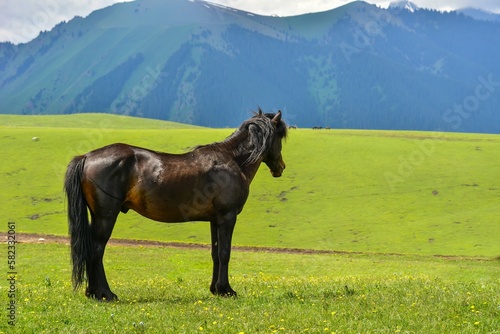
(34, 238)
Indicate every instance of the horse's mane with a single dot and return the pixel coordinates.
(260, 131)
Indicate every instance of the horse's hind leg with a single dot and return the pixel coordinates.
(98, 286)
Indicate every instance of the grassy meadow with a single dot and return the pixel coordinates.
(165, 290)
(387, 201)
(363, 191)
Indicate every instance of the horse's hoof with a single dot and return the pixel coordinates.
(224, 292)
(105, 295)
(109, 297)
(230, 294)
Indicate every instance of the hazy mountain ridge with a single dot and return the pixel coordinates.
(357, 66)
(480, 14)
(404, 4)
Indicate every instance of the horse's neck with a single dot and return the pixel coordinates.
(240, 148)
(250, 170)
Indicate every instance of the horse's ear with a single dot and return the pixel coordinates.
(277, 118)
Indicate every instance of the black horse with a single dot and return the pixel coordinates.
(210, 183)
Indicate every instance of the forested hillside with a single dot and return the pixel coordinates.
(357, 66)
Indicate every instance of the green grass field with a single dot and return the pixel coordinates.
(165, 290)
(390, 200)
(364, 191)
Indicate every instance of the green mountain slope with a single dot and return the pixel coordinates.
(357, 66)
(88, 121)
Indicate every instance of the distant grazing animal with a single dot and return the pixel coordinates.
(210, 183)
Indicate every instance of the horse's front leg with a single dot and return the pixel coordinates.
(222, 232)
(215, 255)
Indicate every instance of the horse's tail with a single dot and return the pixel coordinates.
(78, 221)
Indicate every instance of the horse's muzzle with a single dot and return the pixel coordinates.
(276, 172)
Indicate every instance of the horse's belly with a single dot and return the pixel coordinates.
(174, 210)
(197, 197)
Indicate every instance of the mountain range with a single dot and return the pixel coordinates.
(191, 61)
(480, 14)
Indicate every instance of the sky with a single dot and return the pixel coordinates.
(22, 20)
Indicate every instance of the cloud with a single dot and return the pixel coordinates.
(22, 20)
(282, 7)
(286, 7)
(490, 5)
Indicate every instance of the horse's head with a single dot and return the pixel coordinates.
(273, 158)
(263, 144)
